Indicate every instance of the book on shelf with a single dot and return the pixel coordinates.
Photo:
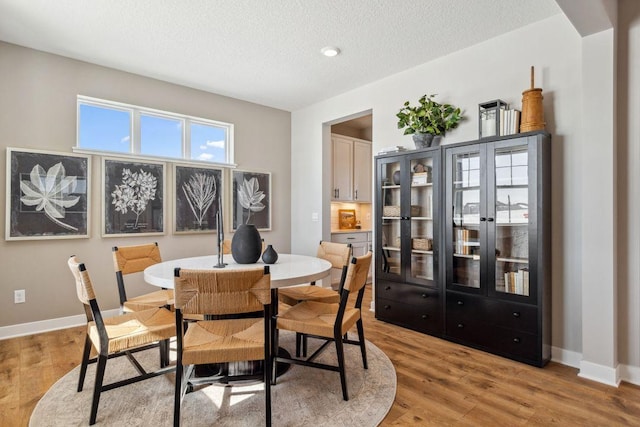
(517, 282)
(509, 122)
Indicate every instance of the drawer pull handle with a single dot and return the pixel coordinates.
(516, 314)
(516, 340)
(350, 238)
(425, 316)
(425, 296)
(460, 326)
(460, 302)
(388, 288)
(490, 219)
(483, 218)
(387, 307)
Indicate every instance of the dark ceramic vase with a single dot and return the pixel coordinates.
(270, 256)
(396, 177)
(422, 140)
(246, 244)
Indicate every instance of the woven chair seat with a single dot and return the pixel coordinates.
(151, 300)
(229, 340)
(316, 318)
(135, 329)
(296, 294)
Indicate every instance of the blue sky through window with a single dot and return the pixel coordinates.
(105, 129)
(160, 136)
(135, 130)
(207, 143)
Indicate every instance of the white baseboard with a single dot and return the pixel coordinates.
(566, 357)
(630, 374)
(31, 328)
(600, 373)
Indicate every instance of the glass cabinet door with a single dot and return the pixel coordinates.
(464, 212)
(391, 221)
(511, 212)
(421, 245)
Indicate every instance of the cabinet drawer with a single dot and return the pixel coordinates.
(349, 237)
(424, 318)
(503, 314)
(407, 294)
(510, 315)
(498, 340)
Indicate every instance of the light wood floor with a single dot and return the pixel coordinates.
(439, 383)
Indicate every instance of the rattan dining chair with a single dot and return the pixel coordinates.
(338, 254)
(117, 336)
(134, 259)
(222, 296)
(331, 321)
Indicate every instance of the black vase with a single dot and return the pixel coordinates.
(246, 244)
(396, 177)
(270, 256)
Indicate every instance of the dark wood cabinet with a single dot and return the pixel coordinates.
(487, 282)
(408, 288)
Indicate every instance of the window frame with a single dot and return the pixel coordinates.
(135, 132)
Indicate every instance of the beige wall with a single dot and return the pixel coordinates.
(38, 110)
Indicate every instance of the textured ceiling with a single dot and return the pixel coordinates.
(267, 52)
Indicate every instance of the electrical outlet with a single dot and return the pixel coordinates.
(19, 296)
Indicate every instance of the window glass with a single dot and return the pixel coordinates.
(160, 136)
(115, 127)
(106, 129)
(208, 143)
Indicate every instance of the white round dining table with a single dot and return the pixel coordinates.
(289, 270)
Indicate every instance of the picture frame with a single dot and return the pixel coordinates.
(251, 199)
(195, 201)
(133, 197)
(48, 195)
(346, 219)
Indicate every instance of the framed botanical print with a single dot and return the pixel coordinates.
(251, 199)
(197, 192)
(133, 197)
(47, 195)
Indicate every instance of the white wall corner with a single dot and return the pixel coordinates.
(630, 374)
(600, 373)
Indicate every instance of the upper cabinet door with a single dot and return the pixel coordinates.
(362, 171)
(342, 168)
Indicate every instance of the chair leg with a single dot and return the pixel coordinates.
(85, 362)
(363, 348)
(164, 353)
(340, 354)
(178, 395)
(100, 368)
(268, 362)
(298, 343)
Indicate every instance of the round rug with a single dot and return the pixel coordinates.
(302, 395)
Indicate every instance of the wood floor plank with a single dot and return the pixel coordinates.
(439, 382)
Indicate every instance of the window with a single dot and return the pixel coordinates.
(114, 127)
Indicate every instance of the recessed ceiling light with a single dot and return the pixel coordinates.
(330, 51)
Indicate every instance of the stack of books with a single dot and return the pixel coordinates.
(394, 149)
(517, 282)
(509, 122)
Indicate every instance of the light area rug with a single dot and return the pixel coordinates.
(303, 396)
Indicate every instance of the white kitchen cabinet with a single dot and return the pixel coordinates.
(351, 169)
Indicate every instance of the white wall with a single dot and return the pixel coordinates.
(498, 68)
(38, 110)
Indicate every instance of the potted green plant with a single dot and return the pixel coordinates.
(428, 120)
